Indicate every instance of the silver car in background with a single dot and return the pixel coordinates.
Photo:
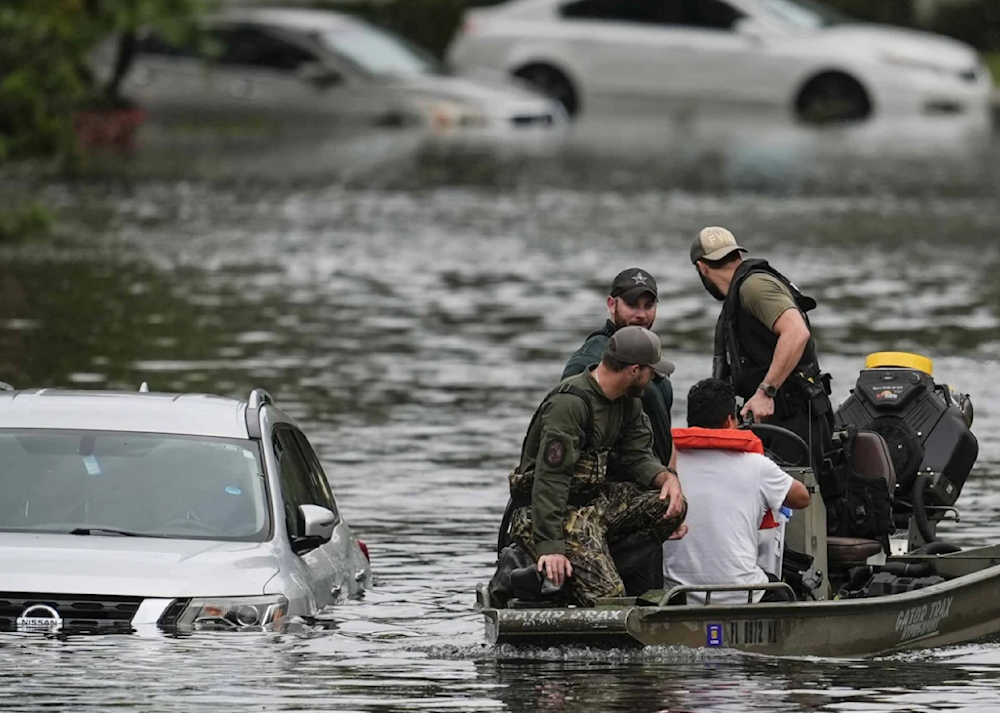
(295, 72)
(120, 511)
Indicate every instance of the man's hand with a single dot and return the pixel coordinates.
(670, 487)
(680, 532)
(556, 567)
(761, 406)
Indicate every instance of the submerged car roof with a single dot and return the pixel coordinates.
(133, 411)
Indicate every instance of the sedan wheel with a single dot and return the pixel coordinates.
(833, 98)
(552, 83)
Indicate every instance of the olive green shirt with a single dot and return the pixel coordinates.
(766, 298)
(555, 443)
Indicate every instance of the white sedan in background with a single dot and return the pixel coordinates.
(596, 54)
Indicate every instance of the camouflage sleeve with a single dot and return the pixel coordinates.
(587, 355)
(635, 452)
(562, 432)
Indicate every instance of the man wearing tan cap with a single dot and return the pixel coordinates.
(763, 344)
(566, 509)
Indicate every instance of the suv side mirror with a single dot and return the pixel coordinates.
(319, 75)
(317, 525)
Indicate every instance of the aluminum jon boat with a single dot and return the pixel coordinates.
(963, 608)
(921, 593)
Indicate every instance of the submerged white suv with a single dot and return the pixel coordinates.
(125, 510)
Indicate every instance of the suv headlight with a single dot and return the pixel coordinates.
(232, 613)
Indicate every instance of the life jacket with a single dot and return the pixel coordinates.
(723, 439)
(744, 347)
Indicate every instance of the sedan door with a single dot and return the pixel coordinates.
(666, 50)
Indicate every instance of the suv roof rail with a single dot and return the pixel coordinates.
(259, 397)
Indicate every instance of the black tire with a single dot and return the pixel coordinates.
(833, 98)
(553, 83)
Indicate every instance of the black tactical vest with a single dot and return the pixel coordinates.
(744, 347)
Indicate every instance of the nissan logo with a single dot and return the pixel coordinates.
(39, 618)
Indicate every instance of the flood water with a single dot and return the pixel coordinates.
(411, 303)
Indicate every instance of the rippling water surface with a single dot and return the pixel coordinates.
(412, 311)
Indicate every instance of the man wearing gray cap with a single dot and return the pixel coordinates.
(566, 509)
(632, 301)
(763, 343)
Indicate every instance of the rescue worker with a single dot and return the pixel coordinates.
(566, 509)
(731, 486)
(764, 346)
(632, 300)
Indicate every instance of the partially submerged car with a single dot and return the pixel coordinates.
(300, 72)
(177, 511)
(800, 54)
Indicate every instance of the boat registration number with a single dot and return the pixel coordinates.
(744, 632)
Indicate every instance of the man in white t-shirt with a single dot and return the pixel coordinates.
(729, 488)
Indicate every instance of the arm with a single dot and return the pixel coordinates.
(635, 456)
(798, 496)
(562, 430)
(778, 488)
(793, 336)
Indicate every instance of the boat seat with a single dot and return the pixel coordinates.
(851, 549)
(870, 458)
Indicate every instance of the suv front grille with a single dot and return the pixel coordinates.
(83, 613)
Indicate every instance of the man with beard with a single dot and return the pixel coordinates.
(566, 509)
(632, 302)
(763, 344)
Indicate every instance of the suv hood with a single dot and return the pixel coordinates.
(133, 566)
(919, 46)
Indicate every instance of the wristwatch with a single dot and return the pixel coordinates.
(769, 390)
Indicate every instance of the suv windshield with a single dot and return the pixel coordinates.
(99, 482)
(379, 52)
(804, 13)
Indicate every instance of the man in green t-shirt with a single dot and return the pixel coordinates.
(632, 301)
(566, 509)
(764, 345)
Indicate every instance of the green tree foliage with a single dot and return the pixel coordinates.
(45, 63)
(43, 44)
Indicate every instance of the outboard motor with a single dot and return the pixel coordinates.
(925, 425)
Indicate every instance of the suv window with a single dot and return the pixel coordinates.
(712, 14)
(251, 47)
(293, 471)
(319, 480)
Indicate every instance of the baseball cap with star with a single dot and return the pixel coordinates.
(630, 284)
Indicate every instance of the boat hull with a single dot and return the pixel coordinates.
(964, 608)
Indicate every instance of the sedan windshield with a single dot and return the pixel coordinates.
(804, 13)
(379, 52)
(100, 483)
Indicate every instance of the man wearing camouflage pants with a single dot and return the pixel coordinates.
(566, 508)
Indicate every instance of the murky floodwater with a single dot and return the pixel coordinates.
(412, 310)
